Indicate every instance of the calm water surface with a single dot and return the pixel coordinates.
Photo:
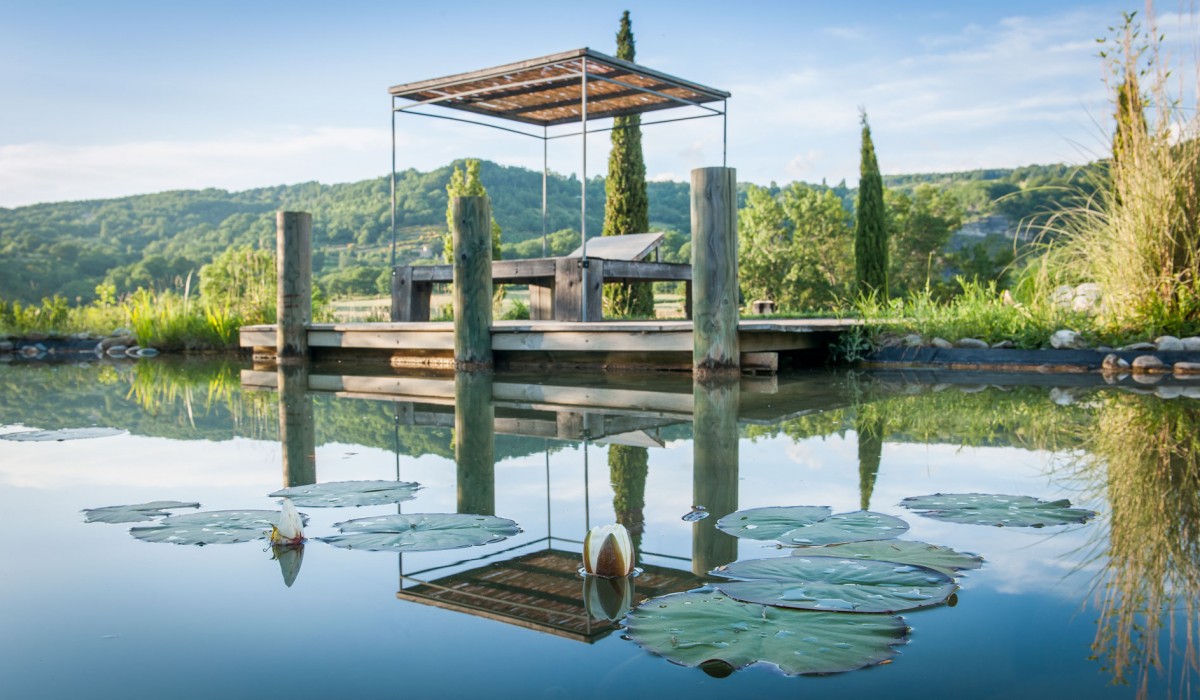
(1099, 610)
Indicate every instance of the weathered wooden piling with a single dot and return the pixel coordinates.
(293, 270)
(472, 237)
(714, 470)
(474, 442)
(714, 272)
(296, 435)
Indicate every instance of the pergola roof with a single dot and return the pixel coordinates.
(548, 91)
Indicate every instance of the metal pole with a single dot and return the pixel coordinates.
(393, 188)
(583, 199)
(545, 170)
(724, 131)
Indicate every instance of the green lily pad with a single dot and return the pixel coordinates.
(719, 634)
(997, 509)
(210, 527)
(340, 494)
(938, 558)
(136, 513)
(422, 532)
(859, 526)
(839, 585)
(61, 434)
(770, 523)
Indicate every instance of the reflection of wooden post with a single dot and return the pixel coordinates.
(472, 231)
(714, 471)
(296, 433)
(474, 444)
(293, 270)
(714, 272)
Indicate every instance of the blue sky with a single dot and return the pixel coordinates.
(117, 98)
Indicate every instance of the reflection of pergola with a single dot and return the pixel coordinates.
(556, 90)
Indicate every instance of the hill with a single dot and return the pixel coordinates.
(68, 248)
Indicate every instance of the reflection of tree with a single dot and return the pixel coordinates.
(869, 425)
(627, 469)
(1151, 451)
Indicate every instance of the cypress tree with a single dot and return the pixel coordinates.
(626, 207)
(870, 228)
(870, 450)
(627, 470)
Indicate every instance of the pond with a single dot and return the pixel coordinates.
(1095, 598)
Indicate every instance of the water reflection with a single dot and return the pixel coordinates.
(714, 471)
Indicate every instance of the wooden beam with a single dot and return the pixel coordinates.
(714, 270)
(293, 269)
(471, 223)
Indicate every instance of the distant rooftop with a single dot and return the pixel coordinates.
(547, 91)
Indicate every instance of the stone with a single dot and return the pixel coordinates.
(1067, 340)
(1168, 391)
(147, 352)
(1191, 344)
(1147, 379)
(1062, 397)
(132, 351)
(1063, 295)
(912, 340)
(1168, 343)
(1087, 297)
(1114, 362)
(121, 332)
(1147, 364)
(1139, 347)
(971, 343)
(1186, 368)
(6, 346)
(115, 340)
(1004, 345)
(941, 343)
(116, 351)
(1191, 392)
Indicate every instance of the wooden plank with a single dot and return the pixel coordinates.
(583, 341)
(541, 303)
(645, 271)
(253, 337)
(568, 283)
(410, 298)
(714, 270)
(382, 340)
(760, 361)
(629, 247)
(432, 273)
(514, 270)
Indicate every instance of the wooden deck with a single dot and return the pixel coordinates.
(598, 345)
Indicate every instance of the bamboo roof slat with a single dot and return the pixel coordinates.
(548, 91)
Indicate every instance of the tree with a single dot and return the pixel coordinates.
(465, 184)
(627, 470)
(870, 229)
(626, 206)
(920, 226)
(794, 248)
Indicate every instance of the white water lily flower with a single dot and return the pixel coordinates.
(608, 551)
(290, 529)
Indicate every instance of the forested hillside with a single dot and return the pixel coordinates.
(156, 240)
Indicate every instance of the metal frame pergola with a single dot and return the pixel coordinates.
(559, 89)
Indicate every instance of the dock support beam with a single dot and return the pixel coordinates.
(474, 442)
(472, 238)
(293, 270)
(296, 435)
(714, 273)
(714, 470)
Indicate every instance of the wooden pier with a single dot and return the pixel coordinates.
(664, 345)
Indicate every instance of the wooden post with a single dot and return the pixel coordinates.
(410, 300)
(296, 435)
(293, 270)
(714, 470)
(472, 234)
(474, 442)
(714, 272)
(569, 289)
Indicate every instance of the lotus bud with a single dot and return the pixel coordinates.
(607, 598)
(608, 551)
(290, 529)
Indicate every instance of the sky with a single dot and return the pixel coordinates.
(108, 99)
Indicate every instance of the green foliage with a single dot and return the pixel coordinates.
(870, 228)
(920, 226)
(794, 247)
(626, 206)
(627, 470)
(242, 279)
(466, 184)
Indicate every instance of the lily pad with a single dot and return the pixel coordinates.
(61, 434)
(859, 526)
(997, 509)
(936, 557)
(210, 527)
(770, 523)
(339, 494)
(840, 585)
(719, 634)
(421, 532)
(135, 513)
